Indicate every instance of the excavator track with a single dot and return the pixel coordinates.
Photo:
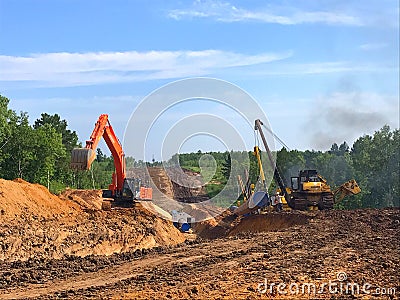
(326, 202)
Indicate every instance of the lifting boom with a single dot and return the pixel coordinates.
(308, 190)
(277, 176)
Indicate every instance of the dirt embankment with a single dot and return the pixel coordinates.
(66, 247)
(361, 245)
(37, 224)
(228, 224)
(86, 199)
(174, 183)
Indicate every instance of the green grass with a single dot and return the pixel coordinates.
(193, 169)
(213, 189)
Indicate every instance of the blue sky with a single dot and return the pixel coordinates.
(323, 71)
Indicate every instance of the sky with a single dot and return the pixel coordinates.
(322, 72)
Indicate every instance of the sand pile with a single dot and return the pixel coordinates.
(21, 200)
(37, 224)
(228, 224)
(88, 199)
(270, 222)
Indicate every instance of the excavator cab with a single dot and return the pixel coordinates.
(135, 189)
(131, 188)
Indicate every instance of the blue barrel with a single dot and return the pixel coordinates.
(185, 227)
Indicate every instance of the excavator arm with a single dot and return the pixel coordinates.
(82, 158)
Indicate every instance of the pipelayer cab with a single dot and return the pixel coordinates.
(122, 191)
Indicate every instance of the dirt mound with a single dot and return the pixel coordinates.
(362, 246)
(175, 183)
(201, 211)
(92, 233)
(88, 199)
(228, 224)
(216, 227)
(269, 222)
(21, 200)
(36, 224)
(161, 181)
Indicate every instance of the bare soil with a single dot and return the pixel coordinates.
(76, 251)
(38, 225)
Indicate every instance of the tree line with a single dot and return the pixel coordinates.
(41, 153)
(373, 160)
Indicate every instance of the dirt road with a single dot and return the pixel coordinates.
(361, 245)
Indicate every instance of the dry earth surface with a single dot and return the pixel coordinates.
(66, 247)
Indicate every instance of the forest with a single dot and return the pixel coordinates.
(40, 153)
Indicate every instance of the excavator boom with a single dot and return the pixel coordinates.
(82, 158)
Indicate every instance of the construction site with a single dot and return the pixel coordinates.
(121, 243)
(67, 247)
(199, 149)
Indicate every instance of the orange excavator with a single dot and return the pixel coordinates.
(122, 190)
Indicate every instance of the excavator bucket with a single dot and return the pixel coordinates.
(81, 158)
(346, 189)
(351, 187)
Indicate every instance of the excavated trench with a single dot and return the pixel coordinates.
(225, 223)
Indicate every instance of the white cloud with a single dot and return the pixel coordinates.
(226, 12)
(315, 68)
(70, 69)
(373, 46)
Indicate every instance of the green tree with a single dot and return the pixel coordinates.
(290, 162)
(49, 150)
(339, 150)
(100, 157)
(226, 166)
(18, 152)
(63, 175)
(6, 118)
(376, 162)
(69, 138)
